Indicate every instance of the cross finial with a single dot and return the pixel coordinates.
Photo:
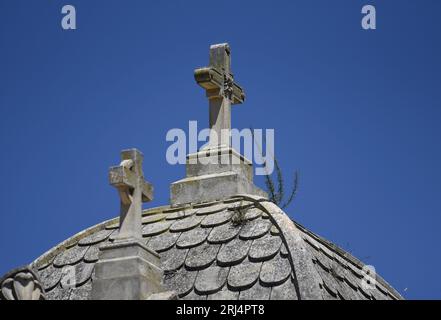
(217, 79)
(128, 178)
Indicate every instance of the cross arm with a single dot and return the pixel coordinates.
(210, 78)
(125, 176)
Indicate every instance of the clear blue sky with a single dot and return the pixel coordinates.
(357, 112)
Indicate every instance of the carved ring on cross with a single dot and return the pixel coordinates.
(228, 87)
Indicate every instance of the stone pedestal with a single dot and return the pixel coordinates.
(214, 174)
(126, 270)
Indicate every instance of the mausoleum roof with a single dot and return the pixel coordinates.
(243, 247)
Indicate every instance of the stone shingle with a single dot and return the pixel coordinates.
(211, 209)
(181, 281)
(244, 275)
(265, 248)
(50, 277)
(275, 271)
(202, 256)
(180, 214)
(192, 238)
(224, 233)
(173, 259)
(217, 219)
(233, 252)
(163, 241)
(95, 238)
(211, 280)
(255, 229)
(92, 254)
(153, 218)
(186, 224)
(154, 229)
(70, 256)
(83, 272)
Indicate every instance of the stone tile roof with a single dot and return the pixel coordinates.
(239, 248)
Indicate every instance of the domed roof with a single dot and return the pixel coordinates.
(243, 247)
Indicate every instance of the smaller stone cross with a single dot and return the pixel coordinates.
(128, 179)
(221, 91)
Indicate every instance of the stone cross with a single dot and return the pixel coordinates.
(222, 92)
(128, 179)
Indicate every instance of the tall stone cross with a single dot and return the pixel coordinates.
(128, 179)
(221, 91)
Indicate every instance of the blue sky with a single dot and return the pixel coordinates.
(357, 112)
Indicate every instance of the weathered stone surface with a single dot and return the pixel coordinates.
(95, 238)
(233, 252)
(244, 275)
(163, 241)
(351, 279)
(92, 254)
(211, 187)
(377, 295)
(173, 259)
(192, 295)
(323, 260)
(283, 250)
(186, 224)
(326, 295)
(256, 292)
(224, 294)
(180, 214)
(285, 291)
(275, 271)
(153, 218)
(216, 219)
(202, 256)
(255, 229)
(81, 293)
(114, 225)
(192, 238)
(168, 295)
(328, 280)
(70, 256)
(154, 229)
(311, 241)
(211, 209)
(83, 272)
(211, 280)
(181, 281)
(355, 270)
(59, 293)
(252, 213)
(346, 292)
(50, 277)
(224, 233)
(274, 231)
(265, 248)
(238, 204)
